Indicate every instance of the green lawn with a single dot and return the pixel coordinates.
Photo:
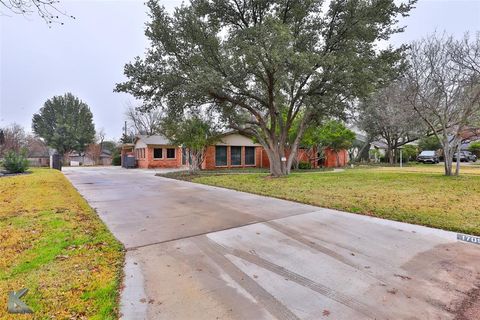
(54, 244)
(408, 194)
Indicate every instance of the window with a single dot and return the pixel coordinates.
(140, 153)
(157, 153)
(250, 156)
(220, 156)
(236, 156)
(170, 153)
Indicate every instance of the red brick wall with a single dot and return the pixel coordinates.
(310, 156)
(302, 156)
(331, 158)
(209, 161)
(264, 159)
(150, 162)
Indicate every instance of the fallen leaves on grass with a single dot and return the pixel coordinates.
(53, 243)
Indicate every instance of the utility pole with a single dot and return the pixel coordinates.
(401, 158)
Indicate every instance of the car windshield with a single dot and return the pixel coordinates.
(427, 153)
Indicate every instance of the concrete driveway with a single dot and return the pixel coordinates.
(200, 252)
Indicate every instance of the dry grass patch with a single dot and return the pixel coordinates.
(407, 194)
(53, 243)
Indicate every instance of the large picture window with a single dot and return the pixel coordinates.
(170, 153)
(157, 153)
(236, 156)
(249, 156)
(220, 156)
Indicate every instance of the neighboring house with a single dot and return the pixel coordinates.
(104, 159)
(38, 153)
(372, 152)
(39, 158)
(470, 135)
(232, 151)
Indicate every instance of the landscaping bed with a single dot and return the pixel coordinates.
(5, 174)
(403, 194)
(54, 244)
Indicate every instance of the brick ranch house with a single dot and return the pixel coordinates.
(232, 151)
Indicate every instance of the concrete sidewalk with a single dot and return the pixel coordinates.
(200, 252)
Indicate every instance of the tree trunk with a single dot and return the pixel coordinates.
(391, 156)
(278, 167)
(448, 157)
(196, 161)
(276, 144)
(193, 167)
(457, 167)
(449, 148)
(337, 156)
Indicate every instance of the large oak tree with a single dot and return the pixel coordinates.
(264, 65)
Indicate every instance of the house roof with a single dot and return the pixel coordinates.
(156, 139)
(41, 152)
(379, 144)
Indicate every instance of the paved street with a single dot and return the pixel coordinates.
(200, 252)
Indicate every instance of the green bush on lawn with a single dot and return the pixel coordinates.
(15, 162)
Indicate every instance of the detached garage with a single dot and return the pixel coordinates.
(156, 152)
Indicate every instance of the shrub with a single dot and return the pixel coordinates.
(474, 147)
(375, 154)
(15, 162)
(304, 165)
(116, 158)
(409, 153)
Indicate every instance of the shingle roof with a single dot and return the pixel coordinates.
(156, 139)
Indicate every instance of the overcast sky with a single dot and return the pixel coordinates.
(86, 55)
